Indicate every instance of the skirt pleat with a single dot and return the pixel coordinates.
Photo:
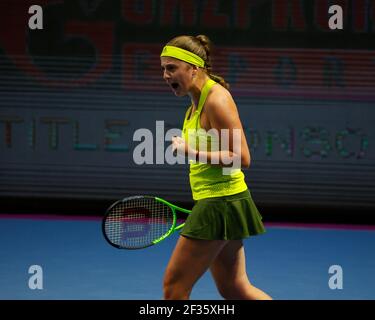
(231, 217)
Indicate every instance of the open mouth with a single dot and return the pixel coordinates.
(174, 85)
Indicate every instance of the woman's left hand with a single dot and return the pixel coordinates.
(182, 148)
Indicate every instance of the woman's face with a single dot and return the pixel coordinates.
(178, 75)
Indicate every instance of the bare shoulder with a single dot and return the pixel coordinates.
(220, 101)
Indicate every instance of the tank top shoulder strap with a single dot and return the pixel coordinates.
(205, 90)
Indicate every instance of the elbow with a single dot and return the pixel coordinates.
(245, 165)
(240, 161)
(245, 162)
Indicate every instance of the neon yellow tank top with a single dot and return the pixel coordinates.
(206, 180)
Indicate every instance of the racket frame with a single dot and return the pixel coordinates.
(172, 229)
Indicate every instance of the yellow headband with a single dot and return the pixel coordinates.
(181, 54)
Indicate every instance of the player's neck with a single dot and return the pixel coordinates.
(196, 90)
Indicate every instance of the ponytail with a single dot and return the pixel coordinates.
(207, 46)
(201, 46)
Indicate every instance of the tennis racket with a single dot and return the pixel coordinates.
(140, 221)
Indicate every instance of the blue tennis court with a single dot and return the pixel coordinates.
(95, 97)
(288, 262)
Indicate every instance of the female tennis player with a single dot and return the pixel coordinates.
(224, 212)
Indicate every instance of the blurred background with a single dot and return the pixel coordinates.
(73, 94)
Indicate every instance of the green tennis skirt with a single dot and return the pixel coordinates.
(224, 218)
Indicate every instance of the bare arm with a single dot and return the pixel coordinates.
(222, 114)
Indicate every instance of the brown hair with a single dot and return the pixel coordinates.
(201, 46)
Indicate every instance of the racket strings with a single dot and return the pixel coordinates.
(137, 223)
